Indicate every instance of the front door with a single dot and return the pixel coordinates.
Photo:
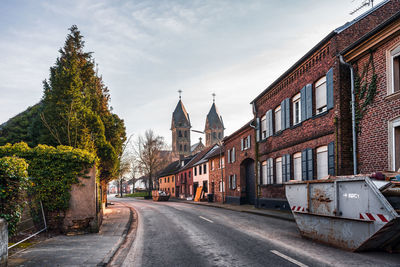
(250, 185)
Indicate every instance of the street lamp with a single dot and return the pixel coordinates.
(220, 164)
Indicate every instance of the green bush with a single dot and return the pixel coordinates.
(52, 171)
(137, 194)
(13, 184)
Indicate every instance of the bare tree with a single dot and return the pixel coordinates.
(150, 158)
(124, 164)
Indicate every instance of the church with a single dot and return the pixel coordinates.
(181, 128)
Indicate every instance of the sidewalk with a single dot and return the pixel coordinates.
(80, 250)
(279, 214)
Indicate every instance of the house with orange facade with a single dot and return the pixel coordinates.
(167, 178)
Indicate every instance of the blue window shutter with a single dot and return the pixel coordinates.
(288, 167)
(309, 101)
(304, 165)
(258, 130)
(284, 168)
(310, 164)
(271, 123)
(287, 113)
(283, 116)
(303, 103)
(329, 89)
(331, 158)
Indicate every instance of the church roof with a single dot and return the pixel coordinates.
(193, 147)
(214, 120)
(180, 117)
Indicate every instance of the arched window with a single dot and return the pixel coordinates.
(180, 133)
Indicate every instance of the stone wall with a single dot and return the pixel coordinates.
(3, 243)
(82, 213)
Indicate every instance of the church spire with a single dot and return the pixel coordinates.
(214, 127)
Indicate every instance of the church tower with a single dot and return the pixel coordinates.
(180, 127)
(214, 129)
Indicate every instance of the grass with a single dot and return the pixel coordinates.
(137, 194)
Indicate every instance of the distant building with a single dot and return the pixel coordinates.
(180, 127)
(214, 128)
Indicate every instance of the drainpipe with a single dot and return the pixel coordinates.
(353, 114)
(256, 163)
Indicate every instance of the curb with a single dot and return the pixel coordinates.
(276, 216)
(107, 259)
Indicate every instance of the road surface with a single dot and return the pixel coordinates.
(179, 234)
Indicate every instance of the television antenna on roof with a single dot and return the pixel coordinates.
(362, 5)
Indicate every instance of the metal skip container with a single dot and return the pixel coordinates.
(353, 213)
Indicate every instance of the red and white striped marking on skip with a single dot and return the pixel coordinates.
(373, 217)
(298, 209)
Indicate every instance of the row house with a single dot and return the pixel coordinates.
(239, 171)
(167, 178)
(304, 128)
(375, 62)
(216, 161)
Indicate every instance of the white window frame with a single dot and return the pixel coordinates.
(278, 170)
(221, 186)
(319, 151)
(394, 52)
(264, 172)
(392, 143)
(296, 156)
(264, 127)
(278, 119)
(321, 85)
(296, 100)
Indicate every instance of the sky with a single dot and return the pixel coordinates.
(148, 50)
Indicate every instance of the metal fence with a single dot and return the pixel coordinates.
(32, 221)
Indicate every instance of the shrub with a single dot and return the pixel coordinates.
(13, 184)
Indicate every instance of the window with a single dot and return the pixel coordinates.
(173, 191)
(179, 133)
(297, 166)
(320, 95)
(247, 142)
(394, 144)
(395, 70)
(278, 168)
(205, 168)
(264, 170)
(172, 178)
(190, 173)
(219, 136)
(296, 109)
(231, 155)
(199, 169)
(270, 171)
(185, 177)
(232, 181)
(205, 189)
(195, 171)
(278, 123)
(168, 179)
(186, 133)
(180, 147)
(264, 127)
(214, 135)
(221, 187)
(322, 162)
(212, 165)
(161, 181)
(184, 147)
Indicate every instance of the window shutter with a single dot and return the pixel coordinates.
(258, 130)
(270, 171)
(229, 156)
(287, 113)
(303, 103)
(310, 164)
(241, 144)
(233, 155)
(283, 115)
(284, 168)
(331, 158)
(288, 167)
(304, 165)
(309, 101)
(329, 89)
(234, 181)
(249, 141)
(270, 123)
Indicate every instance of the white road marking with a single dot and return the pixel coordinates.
(289, 258)
(206, 219)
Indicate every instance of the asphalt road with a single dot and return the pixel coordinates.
(179, 234)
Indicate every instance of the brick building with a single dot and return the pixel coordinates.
(303, 119)
(377, 55)
(239, 170)
(216, 160)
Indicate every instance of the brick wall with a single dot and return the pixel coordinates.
(185, 189)
(237, 167)
(215, 177)
(373, 138)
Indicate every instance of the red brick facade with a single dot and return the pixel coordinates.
(238, 193)
(215, 175)
(376, 144)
